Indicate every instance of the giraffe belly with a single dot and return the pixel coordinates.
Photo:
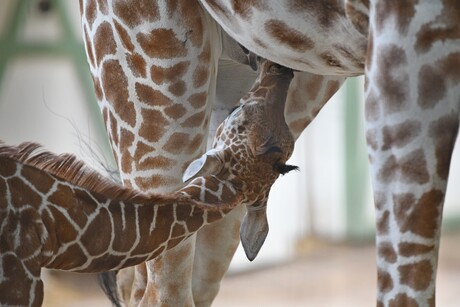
(313, 36)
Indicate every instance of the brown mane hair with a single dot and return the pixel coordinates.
(67, 167)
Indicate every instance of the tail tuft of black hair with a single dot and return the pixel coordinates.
(108, 283)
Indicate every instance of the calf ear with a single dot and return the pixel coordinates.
(254, 230)
(210, 163)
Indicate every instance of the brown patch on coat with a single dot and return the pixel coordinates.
(408, 249)
(162, 44)
(384, 282)
(400, 135)
(177, 142)
(137, 64)
(403, 299)
(387, 252)
(443, 28)
(421, 216)
(104, 42)
(401, 12)
(124, 36)
(133, 13)
(392, 78)
(412, 168)
(115, 87)
(291, 37)
(444, 133)
(417, 275)
(150, 96)
(198, 100)
(153, 126)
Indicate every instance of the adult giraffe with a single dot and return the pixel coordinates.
(155, 66)
(167, 52)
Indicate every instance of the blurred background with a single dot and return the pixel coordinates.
(319, 251)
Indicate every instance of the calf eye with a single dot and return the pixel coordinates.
(285, 168)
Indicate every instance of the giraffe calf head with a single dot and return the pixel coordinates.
(250, 150)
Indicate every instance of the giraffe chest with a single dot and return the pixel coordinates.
(314, 36)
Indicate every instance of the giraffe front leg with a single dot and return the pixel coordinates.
(412, 119)
(154, 64)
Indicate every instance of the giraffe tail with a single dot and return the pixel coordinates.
(108, 283)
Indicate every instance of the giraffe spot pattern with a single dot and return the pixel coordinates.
(408, 249)
(176, 111)
(112, 127)
(244, 8)
(359, 19)
(12, 266)
(441, 29)
(103, 226)
(153, 126)
(178, 89)
(284, 34)
(90, 11)
(161, 44)
(395, 11)
(411, 168)
(135, 12)
(371, 139)
(102, 6)
(392, 80)
(403, 299)
(176, 142)
(126, 140)
(195, 144)
(137, 64)
(326, 12)
(124, 37)
(384, 282)
(97, 89)
(372, 107)
(89, 49)
(141, 151)
(398, 136)
(104, 42)
(416, 275)
(155, 181)
(115, 86)
(174, 73)
(387, 252)
(383, 223)
(65, 231)
(156, 162)
(198, 100)
(43, 185)
(196, 120)
(150, 96)
(431, 87)
(200, 76)
(421, 216)
(27, 197)
(444, 133)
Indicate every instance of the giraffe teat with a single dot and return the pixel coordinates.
(250, 150)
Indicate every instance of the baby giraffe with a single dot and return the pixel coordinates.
(56, 213)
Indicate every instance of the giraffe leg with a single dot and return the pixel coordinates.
(216, 243)
(154, 65)
(412, 120)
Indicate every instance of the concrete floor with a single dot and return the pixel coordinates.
(327, 275)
